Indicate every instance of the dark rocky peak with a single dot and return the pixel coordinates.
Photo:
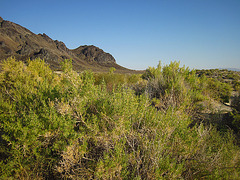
(93, 53)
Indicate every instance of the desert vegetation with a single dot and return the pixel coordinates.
(224, 76)
(113, 126)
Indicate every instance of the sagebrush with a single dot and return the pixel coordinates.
(68, 127)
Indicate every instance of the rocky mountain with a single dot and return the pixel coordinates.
(21, 43)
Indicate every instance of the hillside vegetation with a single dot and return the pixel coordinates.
(111, 126)
(225, 76)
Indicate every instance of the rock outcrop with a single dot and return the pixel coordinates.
(94, 54)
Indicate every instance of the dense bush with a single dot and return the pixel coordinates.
(218, 90)
(66, 127)
(33, 124)
(173, 86)
(112, 79)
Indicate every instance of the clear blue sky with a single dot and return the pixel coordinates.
(139, 33)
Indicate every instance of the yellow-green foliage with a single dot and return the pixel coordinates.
(173, 86)
(215, 89)
(66, 127)
(112, 79)
(232, 78)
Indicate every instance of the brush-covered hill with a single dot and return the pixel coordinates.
(23, 44)
(222, 75)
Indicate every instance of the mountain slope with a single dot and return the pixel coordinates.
(21, 43)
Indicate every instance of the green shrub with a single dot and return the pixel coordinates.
(218, 90)
(173, 85)
(30, 124)
(112, 79)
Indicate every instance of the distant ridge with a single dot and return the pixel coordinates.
(231, 69)
(21, 43)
